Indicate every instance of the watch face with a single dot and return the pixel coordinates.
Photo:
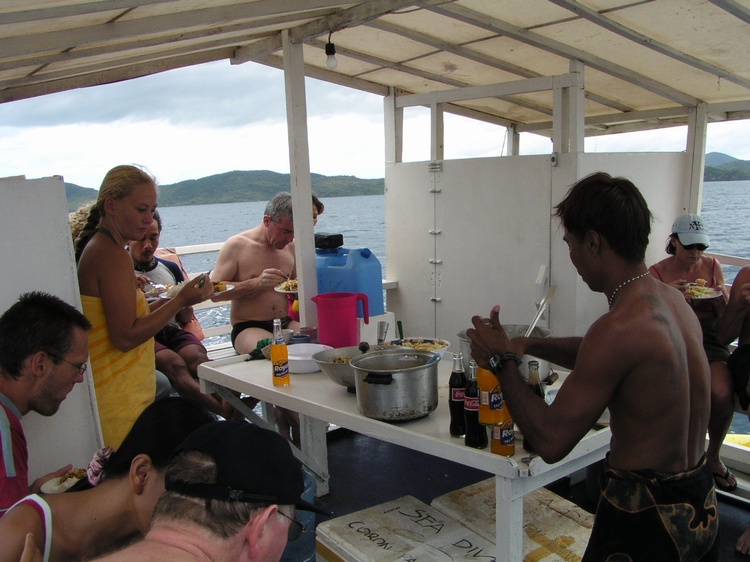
(494, 361)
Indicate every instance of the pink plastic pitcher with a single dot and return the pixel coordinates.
(338, 325)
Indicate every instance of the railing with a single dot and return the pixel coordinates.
(225, 329)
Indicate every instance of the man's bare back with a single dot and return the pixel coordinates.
(650, 343)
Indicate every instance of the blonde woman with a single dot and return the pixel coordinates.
(121, 343)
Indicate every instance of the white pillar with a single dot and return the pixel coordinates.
(394, 129)
(696, 152)
(437, 132)
(301, 185)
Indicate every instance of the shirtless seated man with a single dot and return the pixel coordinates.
(256, 261)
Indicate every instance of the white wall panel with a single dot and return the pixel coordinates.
(36, 251)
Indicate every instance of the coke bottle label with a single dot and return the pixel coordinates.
(457, 394)
(471, 404)
(496, 400)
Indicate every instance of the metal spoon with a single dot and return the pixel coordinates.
(542, 307)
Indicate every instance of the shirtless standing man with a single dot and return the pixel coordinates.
(643, 360)
(256, 261)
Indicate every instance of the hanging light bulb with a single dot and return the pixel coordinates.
(331, 61)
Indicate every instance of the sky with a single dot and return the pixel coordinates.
(214, 118)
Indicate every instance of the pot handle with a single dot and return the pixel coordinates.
(378, 378)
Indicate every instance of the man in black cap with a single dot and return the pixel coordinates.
(231, 493)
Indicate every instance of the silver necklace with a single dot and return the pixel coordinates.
(621, 285)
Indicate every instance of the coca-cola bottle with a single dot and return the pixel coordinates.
(457, 389)
(536, 387)
(476, 433)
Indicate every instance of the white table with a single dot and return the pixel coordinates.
(319, 400)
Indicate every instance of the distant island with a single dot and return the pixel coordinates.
(238, 187)
(261, 185)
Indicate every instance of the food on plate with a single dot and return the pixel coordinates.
(155, 289)
(697, 291)
(172, 290)
(288, 286)
(700, 282)
(220, 286)
(61, 484)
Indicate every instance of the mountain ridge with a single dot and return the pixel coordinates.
(239, 186)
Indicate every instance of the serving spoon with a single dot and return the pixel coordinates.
(543, 304)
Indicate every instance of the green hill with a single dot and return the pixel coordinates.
(261, 185)
(239, 186)
(722, 167)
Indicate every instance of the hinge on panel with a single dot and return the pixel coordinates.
(434, 232)
(436, 299)
(436, 262)
(435, 166)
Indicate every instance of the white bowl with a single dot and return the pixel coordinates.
(300, 357)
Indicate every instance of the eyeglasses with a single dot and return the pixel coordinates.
(80, 366)
(699, 247)
(295, 529)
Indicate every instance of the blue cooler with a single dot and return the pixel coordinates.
(344, 270)
(303, 549)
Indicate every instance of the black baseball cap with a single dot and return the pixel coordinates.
(253, 465)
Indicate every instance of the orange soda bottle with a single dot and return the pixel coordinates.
(502, 437)
(490, 399)
(279, 356)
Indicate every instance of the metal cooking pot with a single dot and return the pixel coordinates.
(396, 384)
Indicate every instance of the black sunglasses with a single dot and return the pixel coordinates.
(295, 529)
(699, 247)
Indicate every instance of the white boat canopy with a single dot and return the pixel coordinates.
(648, 62)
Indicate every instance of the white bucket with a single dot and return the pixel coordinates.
(514, 331)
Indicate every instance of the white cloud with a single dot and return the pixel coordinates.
(214, 118)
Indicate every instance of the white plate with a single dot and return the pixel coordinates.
(229, 288)
(279, 289)
(154, 290)
(55, 486)
(711, 293)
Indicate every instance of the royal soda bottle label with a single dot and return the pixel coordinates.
(507, 437)
(280, 369)
(496, 399)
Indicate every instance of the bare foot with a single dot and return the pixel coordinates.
(743, 543)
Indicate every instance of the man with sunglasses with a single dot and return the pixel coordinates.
(232, 489)
(701, 280)
(43, 354)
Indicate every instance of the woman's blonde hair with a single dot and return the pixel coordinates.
(118, 183)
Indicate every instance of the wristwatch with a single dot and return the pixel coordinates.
(497, 360)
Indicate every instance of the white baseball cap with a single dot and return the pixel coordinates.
(690, 230)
